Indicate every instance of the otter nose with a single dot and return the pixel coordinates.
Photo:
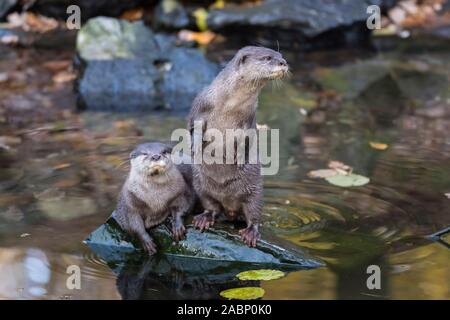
(156, 157)
(282, 62)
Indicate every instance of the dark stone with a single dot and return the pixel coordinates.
(5, 7)
(188, 73)
(308, 23)
(214, 247)
(89, 8)
(119, 85)
(126, 67)
(170, 14)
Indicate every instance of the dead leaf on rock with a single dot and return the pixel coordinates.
(132, 14)
(202, 38)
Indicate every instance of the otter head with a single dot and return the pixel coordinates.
(151, 159)
(259, 63)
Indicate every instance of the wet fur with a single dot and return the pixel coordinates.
(230, 102)
(148, 200)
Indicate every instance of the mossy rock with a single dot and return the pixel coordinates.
(115, 246)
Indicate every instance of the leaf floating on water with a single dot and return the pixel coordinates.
(351, 180)
(322, 173)
(262, 274)
(378, 145)
(246, 293)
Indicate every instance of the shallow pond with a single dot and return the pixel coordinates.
(61, 171)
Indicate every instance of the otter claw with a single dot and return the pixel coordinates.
(149, 246)
(250, 235)
(203, 221)
(179, 233)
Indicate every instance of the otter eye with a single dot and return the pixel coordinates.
(267, 58)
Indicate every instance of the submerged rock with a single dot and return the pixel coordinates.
(214, 247)
(126, 67)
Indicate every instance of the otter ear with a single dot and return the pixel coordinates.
(133, 154)
(167, 150)
(243, 58)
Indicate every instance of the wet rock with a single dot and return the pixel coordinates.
(5, 7)
(126, 67)
(217, 246)
(119, 85)
(108, 39)
(170, 14)
(189, 72)
(308, 19)
(89, 8)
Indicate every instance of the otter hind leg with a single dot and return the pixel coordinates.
(207, 219)
(252, 210)
(136, 225)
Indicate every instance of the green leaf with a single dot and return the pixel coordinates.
(246, 293)
(350, 180)
(262, 274)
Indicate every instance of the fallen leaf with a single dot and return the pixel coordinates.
(447, 195)
(262, 274)
(57, 65)
(24, 235)
(61, 166)
(29, 21)
(202, 38)
(132, 14)
(322, 173)
(350, 180)
(378, 145)
(200, 16)
(64, 76)
(247, 293)
(339, 166)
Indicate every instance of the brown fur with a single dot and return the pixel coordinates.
(230, 102)
(148, 197)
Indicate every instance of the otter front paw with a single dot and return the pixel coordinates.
(178, 232)
(149, 246)
(250, 235)
(204, 221)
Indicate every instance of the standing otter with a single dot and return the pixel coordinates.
(230, 102)
(155, 188)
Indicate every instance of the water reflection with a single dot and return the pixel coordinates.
(61, 172)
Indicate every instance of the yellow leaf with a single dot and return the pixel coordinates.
(200, 18)
(378, 145)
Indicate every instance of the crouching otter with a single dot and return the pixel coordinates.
(230, 102)
(154, 189)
